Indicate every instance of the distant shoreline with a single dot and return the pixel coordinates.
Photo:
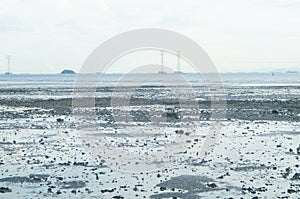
(288, 72)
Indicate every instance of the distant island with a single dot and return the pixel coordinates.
(67, 71)
(292, 71)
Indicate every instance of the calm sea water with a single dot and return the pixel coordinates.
(58, 80)
(251, 85)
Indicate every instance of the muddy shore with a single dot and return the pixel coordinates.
(277, 110)
(256, 155)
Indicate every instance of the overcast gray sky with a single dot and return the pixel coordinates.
(46, 36)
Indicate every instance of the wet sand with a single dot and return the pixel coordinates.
(256, 154)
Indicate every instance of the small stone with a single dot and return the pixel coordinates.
(5, 190)
(275, 112)
(296, 176)
(135, 189)
(59, 120)
(87, 190)
(107, 190)
(179, 132)
(212, 185)
(118, 197)
(287, 172)
(291, 191)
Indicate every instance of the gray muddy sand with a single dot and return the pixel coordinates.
(256, 154)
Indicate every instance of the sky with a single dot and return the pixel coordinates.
(47, 36)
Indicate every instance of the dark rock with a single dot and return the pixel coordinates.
(296, 176)
(118, 197)
(275, 112)
(212, 185)
(179, 132)
(249, 189)
(107, 190)
(287, 172)
(89, 191)
(222, 176)
(60, 120)
(5, 190)
(291, 191)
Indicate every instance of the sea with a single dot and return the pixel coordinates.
(57, 86)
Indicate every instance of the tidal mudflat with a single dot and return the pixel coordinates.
(46, 152)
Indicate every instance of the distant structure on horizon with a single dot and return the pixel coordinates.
(67, 71)
(178, 63)
(8, 66)
(162, 70)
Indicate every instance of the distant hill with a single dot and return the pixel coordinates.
(67, 71)
(286, 70)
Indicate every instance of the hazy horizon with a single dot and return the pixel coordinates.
(112, 73)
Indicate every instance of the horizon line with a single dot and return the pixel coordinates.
(115, 73)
